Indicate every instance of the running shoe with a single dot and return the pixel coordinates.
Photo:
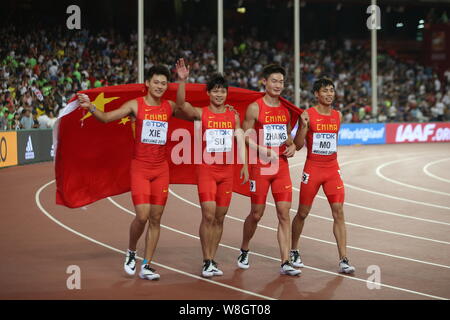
(296, 260)
(130, 263)
(148, 273)
(216, 270)
(288, 269)
(345, 267)
(242, 260)
(208, 269)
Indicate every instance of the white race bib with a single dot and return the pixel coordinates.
(275, 134)
(324, 143)
(219, 140)
(154, 132)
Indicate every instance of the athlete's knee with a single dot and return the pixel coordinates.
(141, 218)
(219, 220)
(283, 216)
(337, 212)
(154, 220)
(208, 218)
(303, 212)
(256, 214)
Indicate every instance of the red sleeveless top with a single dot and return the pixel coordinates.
(152, 124)
(218, 136)
(271, 127)
(322, 136)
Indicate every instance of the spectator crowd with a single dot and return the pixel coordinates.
(41, 70)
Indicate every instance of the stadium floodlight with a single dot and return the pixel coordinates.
(399, 24)
(420, 26)
(421, 21)
(241, 10)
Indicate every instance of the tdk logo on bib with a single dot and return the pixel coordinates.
(324, 143)
(326, 135)
(154, 132)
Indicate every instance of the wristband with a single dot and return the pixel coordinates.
(92, 108)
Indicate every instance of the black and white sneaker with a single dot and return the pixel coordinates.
(208, 269)
(148, 273)
(296, 259)
(345, 267)
(288, 269)
(130, 263)
(242, 260)
(216, 270)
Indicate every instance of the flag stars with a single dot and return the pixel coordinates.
(99, 102)
(124, 120)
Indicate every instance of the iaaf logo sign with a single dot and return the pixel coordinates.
(418, 132)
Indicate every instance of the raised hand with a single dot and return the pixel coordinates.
(182, 70)
(84, 100)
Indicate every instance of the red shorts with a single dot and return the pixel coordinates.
(278, 178)
(215, 183)
(325, 174)
(149, 182)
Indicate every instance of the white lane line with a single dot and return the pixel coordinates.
(378, 172)
(371, 228)
(38, 202)
(397, 198)
(388, 195)
(306, 267)
(373, 209)
(428, 173)
(303, 236)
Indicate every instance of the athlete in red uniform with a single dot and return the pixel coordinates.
(149, 168)
(273, 132)
(319, 125)
(215, 174)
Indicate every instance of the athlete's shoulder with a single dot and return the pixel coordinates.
(310, 110)
(253, 107)
(337, 113)
(133, 103)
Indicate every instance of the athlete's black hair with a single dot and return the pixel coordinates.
(273, 68)
(217, 80)
(159, 70)
(322, 82)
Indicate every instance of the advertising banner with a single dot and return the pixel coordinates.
(8, 148)
(34, 146)
(362, 133)
(417, 132)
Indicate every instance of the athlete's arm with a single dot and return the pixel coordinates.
(303, 127)
(241, 149)
(182, 109)
(248, 126)
(290, 145)
(129, 107)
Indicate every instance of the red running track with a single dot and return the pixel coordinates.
(398, 221)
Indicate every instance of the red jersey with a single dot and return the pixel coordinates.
(272, 125)
(152, 124)
(218, 133)
(322, 136)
